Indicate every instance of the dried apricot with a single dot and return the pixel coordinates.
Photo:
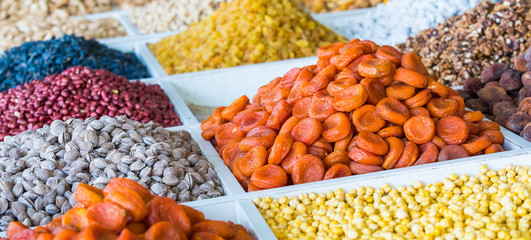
(227, 133)
(428, 153)
(254, 159)
(372, 143)
(288, 126)
(320, 80)
(136, 227)
(322, 143)
(460, 105)
(452, 129)
(117, 183)
(164, 230)
(281, 112)
(269, 86)
(376, 68)
(206, 236)
(194, 215)
(351, 98)
(400, 91)
(412, 62)
(353, 66)
(409, 155)
(269, 176)
(298, 149)
(307, 131)
(361, 156)
(336, 171)
(274, 95)
(321, 107)
(393, 111)
(340, 84)
(473, 128)
(15, 227)
(220, 228)
(329, 50)
(45, 236)
(348, 56)
(247, 120)
(439, 107)
(410, 77)
(450, 152)
(477, 144)
(336, 127)
(130, 201)
(108, 215)
(96, 232)
(289, 78)
(419, 111)
(392, 131)
(230, 152)
(253, 188)
(493, 148)
(375, 90)
(317, 151)
(359, 168)
(88, 195)
(280, 148)
(343, 143)
(438, 141)
(259, 136)
(234, 108)
(339, 156)
(473, 117)
(74, 217)
(164, 209)
(307, 168)
(419, 100)
(296, 91)
(488, 125)
(301, 109)
(419, 129)
(396, 147)
(495, 136)
(209, 126)
(237, 172)
(128, 235)
(366, 118)
(387, 81)
(390, 53)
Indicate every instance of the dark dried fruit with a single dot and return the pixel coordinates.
(525, 105)
(450, 152)
(526, 80)
(520, 64)
(501, 107)
(488, 94)
(510, 80)
(472, 85)
(518, 121)
(526, 133)
(477, 105)
(492, 84)
(504, 115)
(493, 73)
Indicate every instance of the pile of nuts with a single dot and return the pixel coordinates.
(17, 9)
(400, 19)
(14, 33)
(463, 45)
(56, 55)
(40, 169)
(126, 210)
(171, 15)
(490, 205)
(126, 4)
(244, 32)
(363, 108)
(504, 94)
(322, 6)
(79, 92)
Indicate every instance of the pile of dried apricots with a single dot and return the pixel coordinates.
(125, 210)
(362, 108)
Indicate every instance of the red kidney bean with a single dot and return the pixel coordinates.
(79, 92)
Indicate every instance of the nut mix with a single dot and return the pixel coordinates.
(362, 108)
(127, 210)
(56, 55)
(504, 94)
(79, 92)
(16, 9)
(125, 4)
(244, 32)
(15, 33)
(40, 169)
(171, 15)
(400, 19)
(493, 204)
(322, 6)
(463, 45)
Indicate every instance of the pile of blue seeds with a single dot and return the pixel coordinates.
(38, 59)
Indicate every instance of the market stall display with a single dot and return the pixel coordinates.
(243, 32)
(464, 45)
(363, 108)
(399, 19)
(125, 209)
(58, 54)
(323, 6)
(80, 92)
(492, 204)
(41, 168)
(504, 93)
(171, 15)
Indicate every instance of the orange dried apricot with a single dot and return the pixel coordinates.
(376, 68)
(254, 159)
(194, 215)
(366, 118)
(359, 168)
(396, 147)
(136, 227)
(164, 230)
(281, 112)
(320, 80)
(269, 176)
(409, 155)
(298, 149)
(329, 50)
(375, 90)
(488, 125)
(475, 145)
(493, 148)
(296, 91)
(412, 62)
(348, 56)
(301, 109)
(288, 126)
(452, 129)
(364, 157)
(128, 235)
(410, 77)
(419, 129)
(274, 95)
(419, 100)
(340, 84)
(130, 201)
(14, 228)
(88, 195)
(419, 111)
(74, 218)
(234, 108)
(227, 133)
(339, 156)
(387, 81)
(321, 107)
(393, 111)
(392, 131)
(220, 228)
(259, 136)
(336, 171)
(164, 209)
(495, 136)
(307, 168)
(246, 120)
(473, 117)
(108, 215)
(117, 183)
(230, 152)
(428, 153)
(437, 88)
(307, 131)
(350, 98)
(289, 78)
(439, 107)
(372, 143)
(343, 143)
(65, 234)
(336, 127)
(438, 141)
(390, 53)
(400, 91)
(206, 236)
(280, 148)
(209, 126)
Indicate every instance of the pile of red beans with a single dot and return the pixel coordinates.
(80, 92)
